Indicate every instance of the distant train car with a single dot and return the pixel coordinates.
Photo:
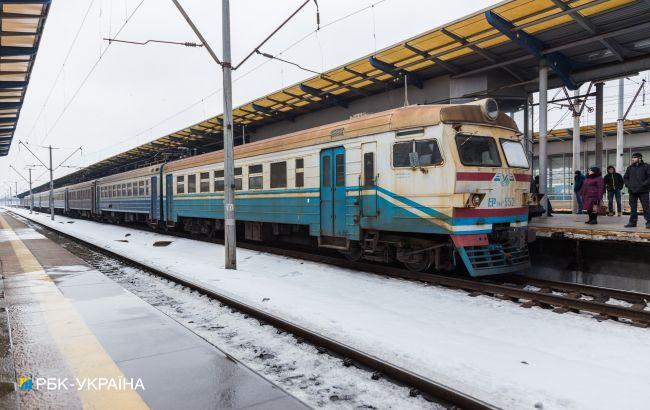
(432, 185)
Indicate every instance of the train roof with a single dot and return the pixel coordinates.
(409, 117)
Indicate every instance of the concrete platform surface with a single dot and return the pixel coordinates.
(79, 340)
(573, 226)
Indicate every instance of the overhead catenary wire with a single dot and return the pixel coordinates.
(300, 40)
(92, 69)
(58, 75)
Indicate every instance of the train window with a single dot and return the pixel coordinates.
(478, 151)
(141, 188)
(205, 182)
(124, 190)
(191, 184)
(326, 171)
(180, 184)
(279, 175)
(146, 187)
(300, 173)
(238, 171)
(368, 169)
(401, 151)
(515, 154)
(420, 153)
(218, 181)
(129, 189)
(340, 170)
(255, 179)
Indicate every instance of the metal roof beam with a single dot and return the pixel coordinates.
(12, 84)
(586, 24)
(484, 53)
(17, 51)
(324, 95)
(396, 72)
(447, 66)
(558, 62)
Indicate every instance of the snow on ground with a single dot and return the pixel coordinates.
(15, 234)
(489, 348)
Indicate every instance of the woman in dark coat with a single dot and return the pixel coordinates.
(592, 192)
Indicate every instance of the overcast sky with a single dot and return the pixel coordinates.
(139, 93)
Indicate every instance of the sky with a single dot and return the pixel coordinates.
(110, 97)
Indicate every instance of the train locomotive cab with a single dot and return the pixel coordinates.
(492, 190)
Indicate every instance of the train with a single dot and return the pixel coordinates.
(437, 187)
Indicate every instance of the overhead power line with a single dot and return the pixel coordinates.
(92, 69)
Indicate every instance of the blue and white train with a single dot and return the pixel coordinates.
(428, 186)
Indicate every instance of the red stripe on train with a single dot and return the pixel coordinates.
(487, 176)
(473, 213)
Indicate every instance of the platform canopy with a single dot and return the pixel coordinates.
(21, 28)
(589, 131)
(580, 40)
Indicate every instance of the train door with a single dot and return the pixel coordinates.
(369, 179)
(66, 202)
(169, 192)
(332, 192)
(155, 209)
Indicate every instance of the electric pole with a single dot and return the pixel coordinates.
(31, 195)
(229, 163)
(51, 185)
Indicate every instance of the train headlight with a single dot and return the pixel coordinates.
(490, 109)
(475, 200)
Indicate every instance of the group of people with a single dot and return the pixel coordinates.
(590, 189)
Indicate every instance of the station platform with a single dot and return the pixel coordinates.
(572, 226)
(72, 338)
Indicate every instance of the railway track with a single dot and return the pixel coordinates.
(445, 395)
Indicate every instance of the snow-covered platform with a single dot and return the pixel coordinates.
(79, 340)
(491, 349)
(573, 226)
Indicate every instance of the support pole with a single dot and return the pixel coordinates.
(620, 142)
(543, 131)
(229, 163)
(31, 194)
(599, 126)
(576, 142)
(51, 186)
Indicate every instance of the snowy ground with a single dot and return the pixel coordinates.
(489, 348)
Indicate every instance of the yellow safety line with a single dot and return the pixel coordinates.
(84, 355)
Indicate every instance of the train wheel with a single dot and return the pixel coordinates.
(419, 262)
(355, 253)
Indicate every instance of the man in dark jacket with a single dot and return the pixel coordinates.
(614, 185)
(637, 180)
(578, 180)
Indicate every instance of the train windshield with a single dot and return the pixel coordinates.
(478, 151)
(515, 154)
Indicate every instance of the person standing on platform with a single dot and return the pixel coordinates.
(614, 185)
(637, 180)
(592, 191)
(578, 180)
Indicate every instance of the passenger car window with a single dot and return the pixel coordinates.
(300, 172)
(255, 179)
(515, 154)
(475, 150)
(279, 175)
(191, 184)
(205, 182)
(326, 171)
(180, 184)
